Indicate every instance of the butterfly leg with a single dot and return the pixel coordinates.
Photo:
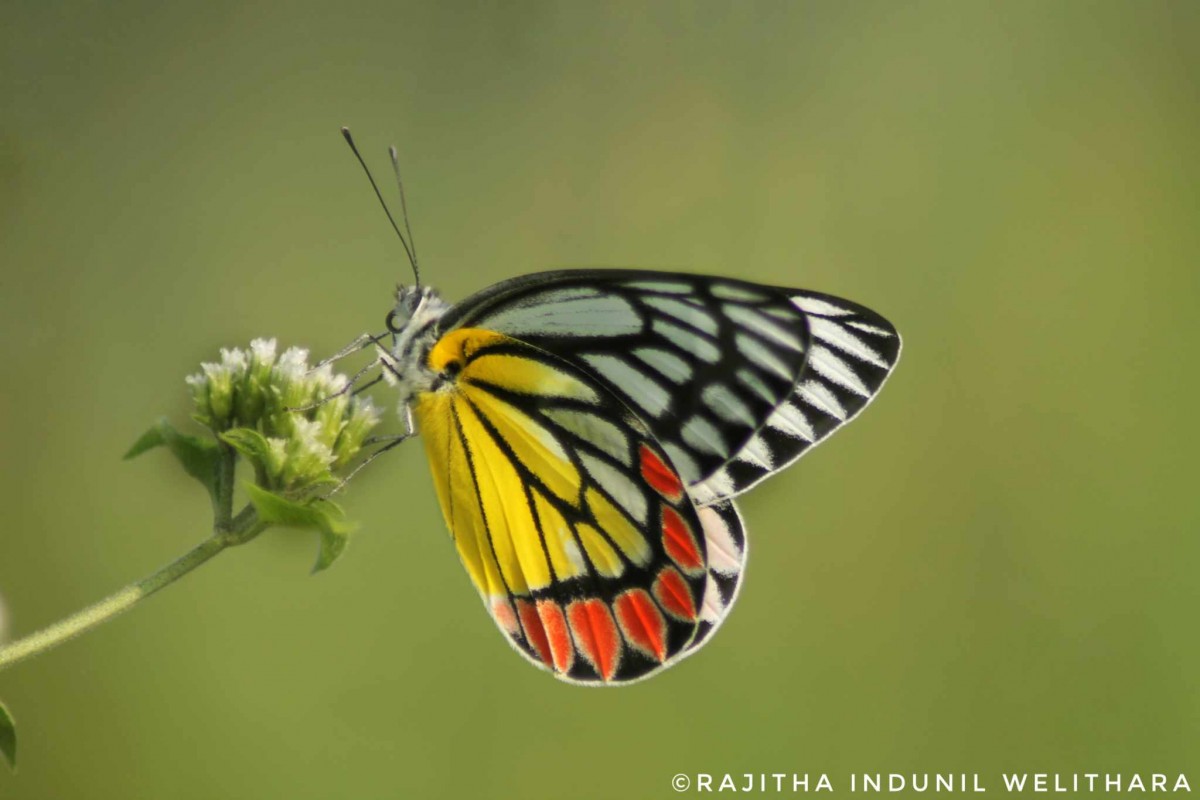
(350, 385)
(361, 343)
(383, 359)
(388, 443)
(360, 389)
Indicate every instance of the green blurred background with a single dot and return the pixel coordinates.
(994, 569)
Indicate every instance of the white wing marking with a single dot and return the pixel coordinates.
(685, 312)
(791, 420)
(618, 486)
(727, 405)
(756, 353)
(818, 396)
(725, 291)
(686, 466)
(645, 392)
(837, 336)
(669, 365)
(594, 429)
(812, 305)
(700, 434)
(584, 315)
(827, 365)
(687, 341)
(763, 325)
(750, 380)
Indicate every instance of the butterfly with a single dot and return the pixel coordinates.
(589, 429)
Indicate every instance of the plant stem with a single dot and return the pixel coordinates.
(223, 485)
(112, 605)
(228, 531)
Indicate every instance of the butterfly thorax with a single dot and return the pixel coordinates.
(414, 326)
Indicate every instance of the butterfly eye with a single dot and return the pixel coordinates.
(393, 323)
(451, 370)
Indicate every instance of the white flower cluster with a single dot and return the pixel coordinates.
(296, 422)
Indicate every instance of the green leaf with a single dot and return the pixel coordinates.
(322, 516)
(247, 441)
(335, 533)
(279, 510)
(332, 546)
(8, 737)
(199, 457)
(147, 441)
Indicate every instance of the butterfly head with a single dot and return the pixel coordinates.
(416, 307)
(413, 324)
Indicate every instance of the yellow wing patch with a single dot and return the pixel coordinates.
(514, 372)
(623, 534)
(513, 534)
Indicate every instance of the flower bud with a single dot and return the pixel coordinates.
(220, 392)
(364, 415)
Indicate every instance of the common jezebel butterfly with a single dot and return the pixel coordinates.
(589, 429)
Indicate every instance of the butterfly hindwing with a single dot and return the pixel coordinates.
(725, 541)
(571, 519)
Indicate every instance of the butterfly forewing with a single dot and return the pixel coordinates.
(569, 516)
(702, 361)
(852, 352)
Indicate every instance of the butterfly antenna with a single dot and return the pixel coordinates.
(404, 213)
(407, 249)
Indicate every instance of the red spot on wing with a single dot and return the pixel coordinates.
(557, 635)
(596, 634)
(643, 626)
(660, 477)
(673, 594)
(534, 632)
(680, 543)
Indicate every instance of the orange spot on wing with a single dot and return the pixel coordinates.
(680, 542)
(596, 634)
(660, 477)
(557, 635)
(506, 618)
(535, 633)
(673, 594)
(641, 623)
